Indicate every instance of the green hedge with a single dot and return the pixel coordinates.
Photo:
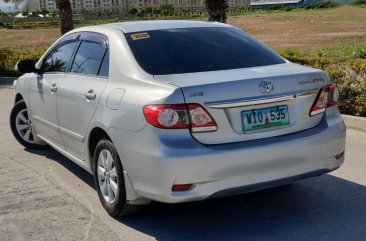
(347, 70)
(346, 67)
(8, 59)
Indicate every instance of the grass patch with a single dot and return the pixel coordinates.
(344, 52)
(7, 37)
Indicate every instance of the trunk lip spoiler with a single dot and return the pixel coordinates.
(258, 100)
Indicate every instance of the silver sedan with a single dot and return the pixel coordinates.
(177, 111)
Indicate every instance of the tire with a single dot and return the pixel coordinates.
(21, 126)
(109, 180)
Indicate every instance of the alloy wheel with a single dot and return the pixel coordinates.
(24, 126)
(107, 176)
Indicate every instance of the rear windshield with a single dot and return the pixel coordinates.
(188, 50)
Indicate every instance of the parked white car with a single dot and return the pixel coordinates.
(177, 111)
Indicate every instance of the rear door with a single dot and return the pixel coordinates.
(80, 91)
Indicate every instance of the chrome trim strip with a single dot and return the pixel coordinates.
(74, 135)
(47, 123)
(257, 100)
(62, 130)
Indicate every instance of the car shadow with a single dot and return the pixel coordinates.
(320, 208)
(53, 155)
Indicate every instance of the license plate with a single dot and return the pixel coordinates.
(257, 119)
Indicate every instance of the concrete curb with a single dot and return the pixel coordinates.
(7, 80)
(354, 122)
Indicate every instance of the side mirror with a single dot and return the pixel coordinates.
(26, 66)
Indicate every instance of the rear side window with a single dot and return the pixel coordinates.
(88, 58)
(59, 58)
(104, 69)
(187, 50)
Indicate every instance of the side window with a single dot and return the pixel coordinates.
(88, 58)
(58, 59)
(104, 69)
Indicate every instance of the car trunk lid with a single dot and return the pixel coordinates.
(237, 98)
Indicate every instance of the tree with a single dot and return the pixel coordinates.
(44, 12)
(53, 13)
(166, 9)
(64, 11)
(65, 15)
(2, 14)
(133, 11)
(216, 10)
(25, 13)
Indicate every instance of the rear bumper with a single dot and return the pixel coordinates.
(156, 159)
(269, 184)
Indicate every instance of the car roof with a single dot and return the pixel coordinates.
(139, 26)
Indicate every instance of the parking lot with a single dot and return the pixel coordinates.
(44, 196)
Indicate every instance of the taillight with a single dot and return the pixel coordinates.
(333, 95)
(201, 121)
(167, 116)
(327, 96)
(180, 116)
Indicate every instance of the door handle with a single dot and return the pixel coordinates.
(90, 95)
(53, 88)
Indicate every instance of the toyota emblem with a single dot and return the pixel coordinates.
(266, 87)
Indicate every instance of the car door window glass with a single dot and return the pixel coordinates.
(88, 58)
(104, 69)
(58, 59)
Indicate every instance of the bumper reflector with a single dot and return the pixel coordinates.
(181, 187)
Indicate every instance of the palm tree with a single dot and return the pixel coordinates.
(216, 10)
(64, 11)
(65, 14)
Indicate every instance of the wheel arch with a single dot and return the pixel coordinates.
(18, 97)
(95, 135)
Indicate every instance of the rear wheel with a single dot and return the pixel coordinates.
(21, 126)
(109, 180)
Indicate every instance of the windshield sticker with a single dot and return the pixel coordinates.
(138, 36)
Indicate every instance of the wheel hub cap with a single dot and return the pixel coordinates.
(107, 176)
(24, 126)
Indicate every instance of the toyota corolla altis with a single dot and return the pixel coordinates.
(177, 111)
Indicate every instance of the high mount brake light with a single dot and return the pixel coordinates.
(328, 96)
(180, 116)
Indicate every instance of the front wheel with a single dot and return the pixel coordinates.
(109, 180)
(21, 126)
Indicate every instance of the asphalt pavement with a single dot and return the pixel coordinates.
(45, 196)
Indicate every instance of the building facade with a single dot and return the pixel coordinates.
(120, 6)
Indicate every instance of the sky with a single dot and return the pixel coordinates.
(5, 6)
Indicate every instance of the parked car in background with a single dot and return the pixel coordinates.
(177, 111)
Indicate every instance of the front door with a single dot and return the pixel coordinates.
(43, 91)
